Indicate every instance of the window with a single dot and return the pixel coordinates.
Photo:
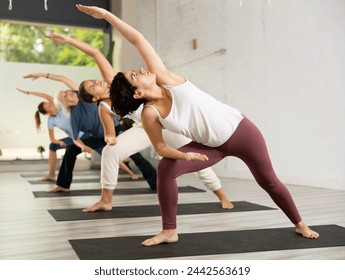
(26, 43)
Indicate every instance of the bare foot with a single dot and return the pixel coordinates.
(165, 236)
(226, 204)
(99, 206)
(58, 189)
(224, 201)
(305, 231)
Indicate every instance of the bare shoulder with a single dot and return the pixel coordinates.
(150, 118)
(151, 124)
(149, 113)
(104, 110)
(168, 78)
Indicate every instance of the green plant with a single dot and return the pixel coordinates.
(22, 42)
(41, 150)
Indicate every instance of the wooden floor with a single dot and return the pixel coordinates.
(29, 232)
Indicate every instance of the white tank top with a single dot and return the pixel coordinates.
(106, 105)
(199, 116)
(136, 116)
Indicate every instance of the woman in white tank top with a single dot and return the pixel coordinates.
(132, 141)
(217, 129)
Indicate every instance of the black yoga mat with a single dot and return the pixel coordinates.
(122, 191)
(152, 210)
(208, 243)
(84, 180)
(41, 174)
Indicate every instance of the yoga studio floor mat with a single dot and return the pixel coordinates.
(76, 172)
(152, 210)
(84, 180)
(122, 191)
(207, 243)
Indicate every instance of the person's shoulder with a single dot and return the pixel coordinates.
(149, 112)
(84, 106)
(52, 119)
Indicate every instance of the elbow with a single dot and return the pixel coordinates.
(163, 151)
(160, 151)
(95, 52)
(136, 41)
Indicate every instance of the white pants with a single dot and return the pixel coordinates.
(136, 140)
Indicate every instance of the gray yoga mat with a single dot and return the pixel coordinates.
(153, 210)
(94, 172)
(118, 191)
(208, 243)
(85, 180)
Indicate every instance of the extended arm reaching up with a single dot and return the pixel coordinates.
(152, 61)
(59, 78)
(103, 64)
(38, 94)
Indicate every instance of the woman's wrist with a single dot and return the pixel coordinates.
(107, 16)
(47, 76)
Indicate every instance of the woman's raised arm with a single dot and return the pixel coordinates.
(59, 78)
(152, 60)
(38, 94)
(103, 64)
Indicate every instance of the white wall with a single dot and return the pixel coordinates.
(283, 67)
(17, 124)
(288, 77)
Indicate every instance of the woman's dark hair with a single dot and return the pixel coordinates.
(84, 95)
(127, 123)
(121, 96)
(40, 109)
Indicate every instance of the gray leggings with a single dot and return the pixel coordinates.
(246, 143)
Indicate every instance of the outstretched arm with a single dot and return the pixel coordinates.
(103, 64)
(59, 78)
(38, 94)
(152, 61)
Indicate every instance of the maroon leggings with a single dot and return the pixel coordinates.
(246, 143)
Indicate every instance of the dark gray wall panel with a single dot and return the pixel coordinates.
(60, 12)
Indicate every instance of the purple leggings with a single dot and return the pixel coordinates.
(246, 143)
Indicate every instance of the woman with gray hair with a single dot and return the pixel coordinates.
(58, 114)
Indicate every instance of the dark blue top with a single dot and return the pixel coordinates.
(85, 118)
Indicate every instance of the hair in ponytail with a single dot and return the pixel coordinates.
(38, 120)
(37, 115)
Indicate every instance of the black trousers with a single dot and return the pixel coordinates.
(146, 168)
(65, 175)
